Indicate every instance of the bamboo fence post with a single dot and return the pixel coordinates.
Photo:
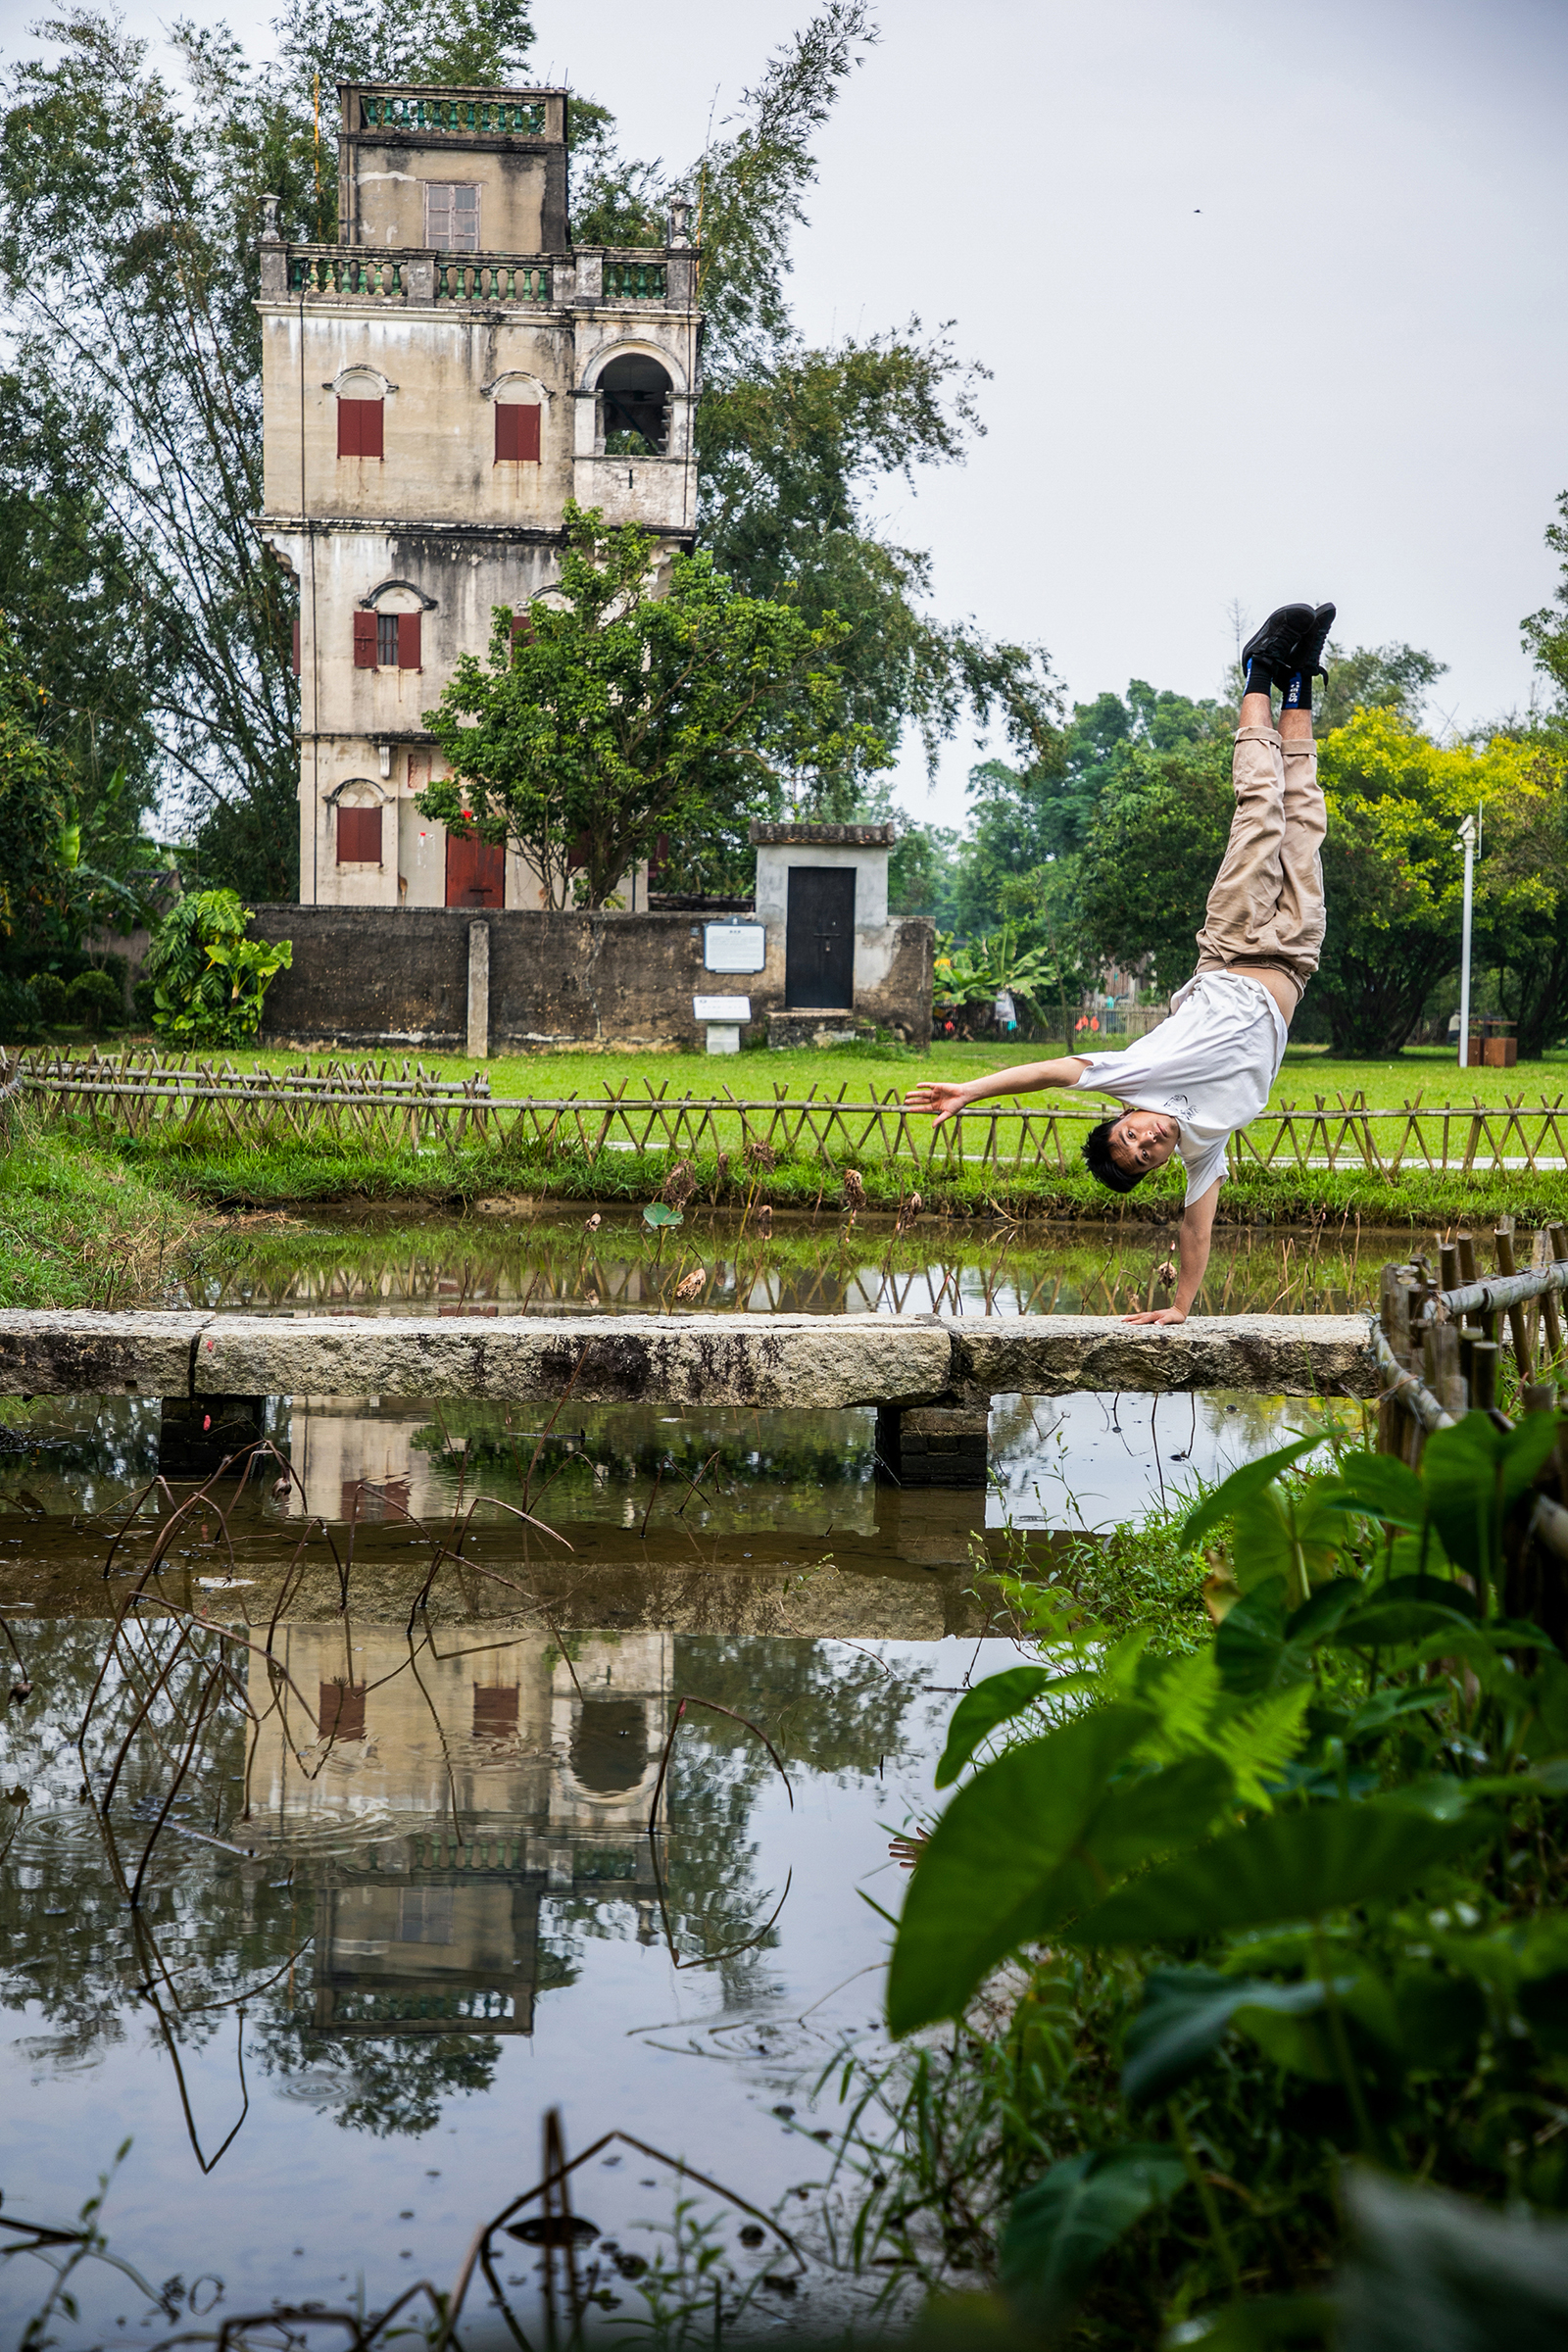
(1502, 1242)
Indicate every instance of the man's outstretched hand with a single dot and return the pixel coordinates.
(939, 1097)
(1158, 1314)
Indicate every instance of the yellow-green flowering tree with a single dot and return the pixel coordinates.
(1393, 875)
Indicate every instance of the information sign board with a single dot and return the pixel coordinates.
(735, 947)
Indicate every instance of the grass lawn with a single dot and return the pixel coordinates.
(1426, 1071)
(206, 1168)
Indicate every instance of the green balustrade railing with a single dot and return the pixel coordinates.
(483, 279)
(347, 272)
(516, 118)
(636, 281)
(356, 2005)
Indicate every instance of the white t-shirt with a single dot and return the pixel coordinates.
(1211, 1068)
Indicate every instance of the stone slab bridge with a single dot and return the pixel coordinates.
(931, 1377)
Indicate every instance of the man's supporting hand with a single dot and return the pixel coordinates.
(1191, 1248)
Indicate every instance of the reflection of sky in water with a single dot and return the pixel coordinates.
(1098, 1461)
(368, 2149)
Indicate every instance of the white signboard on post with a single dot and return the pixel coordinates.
(721, 1008)
(735, 947)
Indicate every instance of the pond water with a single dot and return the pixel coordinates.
(514, 1258)
(405, 1900)
(618, 1481)
(332, 2025)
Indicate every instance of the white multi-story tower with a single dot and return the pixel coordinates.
(436, 386)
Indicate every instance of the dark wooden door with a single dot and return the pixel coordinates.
(476, 872)
(819, 939)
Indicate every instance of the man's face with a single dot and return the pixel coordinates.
(1142, 1139)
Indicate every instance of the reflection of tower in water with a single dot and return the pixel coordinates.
(456, 1786)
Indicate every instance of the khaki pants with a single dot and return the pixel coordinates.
(1266, 906)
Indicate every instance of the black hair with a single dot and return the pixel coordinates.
(1099, 1163)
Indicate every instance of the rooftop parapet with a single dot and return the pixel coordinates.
(448, 114)
(641, 277)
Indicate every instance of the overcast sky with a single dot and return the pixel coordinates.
(1272, 299)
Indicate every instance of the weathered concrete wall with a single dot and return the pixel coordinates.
(369, 975)
(813, 1361)
(373, 976)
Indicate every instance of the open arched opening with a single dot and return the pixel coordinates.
(610, 1746)
(634, 400)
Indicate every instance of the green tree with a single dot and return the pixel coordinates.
(1522, 891)
(1546, 633)
(39, 816)
(795, 442)
(1144, 874)
(79, 622)
(617, 714)
(126, 211)
(922, 873)
(1375, 677)
(1032, 822)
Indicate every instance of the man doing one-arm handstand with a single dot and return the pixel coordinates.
(1199, 1076)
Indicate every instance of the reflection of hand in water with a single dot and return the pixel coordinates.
(906, 1851)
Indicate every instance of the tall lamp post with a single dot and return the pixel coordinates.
(1467, 843)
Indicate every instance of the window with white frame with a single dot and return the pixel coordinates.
(451, 216)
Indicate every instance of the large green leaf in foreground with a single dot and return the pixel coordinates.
(1063, 2224)
(996, 1701)
(1033, 1839)
(1286, 1866)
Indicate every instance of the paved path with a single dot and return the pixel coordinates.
(800, 1360)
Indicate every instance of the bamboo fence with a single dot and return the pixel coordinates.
(381, 1106)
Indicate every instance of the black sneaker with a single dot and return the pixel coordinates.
(1276, 644)
(1313, 638)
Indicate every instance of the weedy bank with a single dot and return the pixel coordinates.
(1234, 1976)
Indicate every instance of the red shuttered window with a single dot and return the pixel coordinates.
(359, 429)
(517, 433)
(387, 641)
(359, 836)
(340, 1710)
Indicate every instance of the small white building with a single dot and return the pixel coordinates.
(436, 386)
(834, 962)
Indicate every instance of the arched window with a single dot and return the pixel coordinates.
(361, 407)
(517, 420)
(358, 803)
(388, 626)
(634, 397)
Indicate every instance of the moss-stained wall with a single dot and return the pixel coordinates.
(400, 976)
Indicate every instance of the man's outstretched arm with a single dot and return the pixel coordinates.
(1191, 1249)
(941, 1099)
